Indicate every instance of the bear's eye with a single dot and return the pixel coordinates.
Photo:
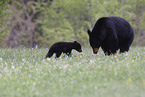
(95, 42)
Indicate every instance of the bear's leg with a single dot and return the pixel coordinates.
(49, 54)
(106, 51)
(113, 51)
(124, 48)
(58, 54)
(113, 46)
(69, 53)
(109, 52)
(110, 47)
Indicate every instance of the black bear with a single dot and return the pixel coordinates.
(111, 33)
(63, 47)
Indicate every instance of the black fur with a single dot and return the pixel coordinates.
(63, 47)
(111, 33)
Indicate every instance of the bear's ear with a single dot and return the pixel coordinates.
(75, 42)
(89, 32)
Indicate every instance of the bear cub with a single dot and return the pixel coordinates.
(63, 47)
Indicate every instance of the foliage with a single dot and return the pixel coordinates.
(82, 16)
(69, 20)
(3, 19)
(23, 72)
(64, 20)
(23, 24)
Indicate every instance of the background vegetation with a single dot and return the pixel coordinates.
(42, 22)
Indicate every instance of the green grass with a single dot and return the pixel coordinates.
(24, 73)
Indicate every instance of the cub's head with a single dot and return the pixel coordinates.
(77, 46)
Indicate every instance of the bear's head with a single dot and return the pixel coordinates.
(77, 46)
(94, 42)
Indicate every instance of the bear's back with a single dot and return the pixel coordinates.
(122, 27)
(59, 46)
(116, 25)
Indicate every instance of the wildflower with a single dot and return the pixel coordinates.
(1, 59)
(48, 59)
(92, 69)
(129, 82)
(12, 67)
(144, 82)
(91, 61)
(23, 59)
(95, 87)
(126, 54)
(71, 79)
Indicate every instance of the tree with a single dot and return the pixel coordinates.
(137, 8)
(23, 24)
(3, 20)
(47, 21)
(64, 20)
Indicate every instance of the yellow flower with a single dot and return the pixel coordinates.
(129, 82)
(144, 82)
(1, 59)
(92, 69)
(71, 79)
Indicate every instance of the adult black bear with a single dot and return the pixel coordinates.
(63, 47)
(111, 33)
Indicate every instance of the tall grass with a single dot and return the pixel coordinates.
(24, 73)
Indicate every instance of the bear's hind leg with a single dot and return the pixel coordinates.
(58, 54)
(125, 46)
(124, 49)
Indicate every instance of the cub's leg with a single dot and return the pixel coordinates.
(49, 54)
(58, 54)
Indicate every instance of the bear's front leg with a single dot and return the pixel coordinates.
(110, 47)
(49, 54)
(69, 54)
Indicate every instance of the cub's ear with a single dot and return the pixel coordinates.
(89, 32)
(75, 42)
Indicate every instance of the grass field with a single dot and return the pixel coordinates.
(24, 73)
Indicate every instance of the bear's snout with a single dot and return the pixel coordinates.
(95, 50)
(80, 50)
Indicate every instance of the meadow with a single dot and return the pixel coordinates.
(24, 73)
